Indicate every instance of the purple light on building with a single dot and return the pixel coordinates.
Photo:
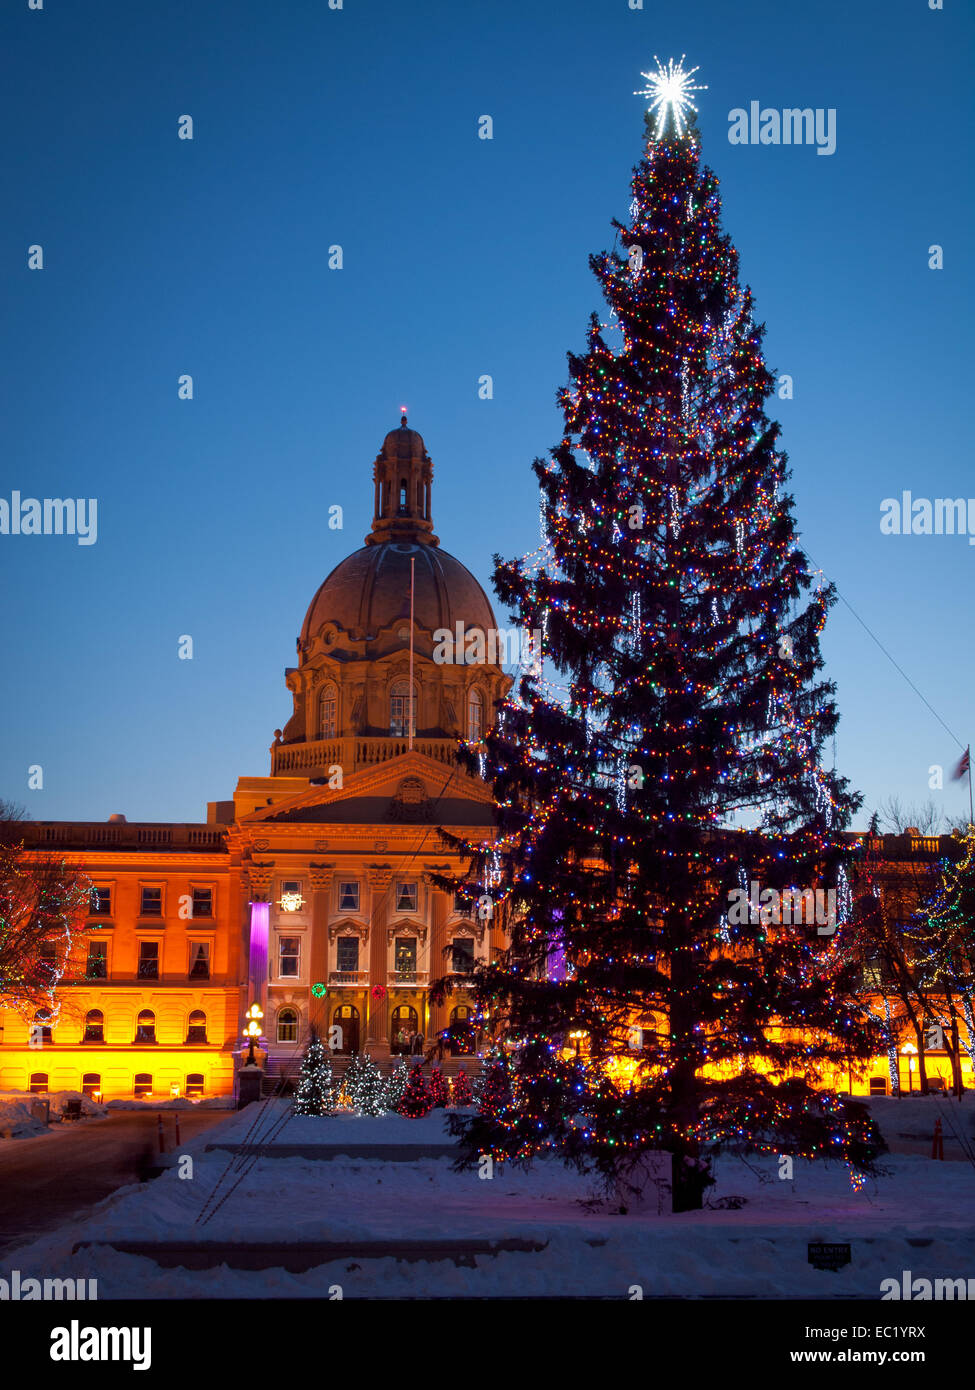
(260, 927)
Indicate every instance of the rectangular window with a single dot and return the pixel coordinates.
(406, 955)
(292, 899)
(47, 963)
(348, 897)
(151, 904)
(101, 902)
(406, 897)
(347, 957)
(199, 960)
(463, 906)
(148, 960)
(462, 955)
(202, 902)
(97, 965)
(289, 955)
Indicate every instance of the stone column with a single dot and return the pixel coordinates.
(439, 1013)
(377, 1027)
(321, 876)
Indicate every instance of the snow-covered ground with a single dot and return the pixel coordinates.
(919, 1217)
(17, 1122)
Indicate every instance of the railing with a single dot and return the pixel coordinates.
(85, 834)
(353, 753)
(348, 977)
(409, 977)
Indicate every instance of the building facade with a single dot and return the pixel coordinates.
(311, 892)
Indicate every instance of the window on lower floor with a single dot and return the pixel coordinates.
(289, 956)
(96, 967)
(287, 1025)
(94, 1026)
(462, 955)
(148, 960)
(143, 1084)
(194, 1085)
(91, 1084)
(145, 1031)
(199, 960)
(347, 954)
(196, 1028)
(38, 1082)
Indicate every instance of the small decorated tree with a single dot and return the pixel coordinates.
(439, 1087)
(396, 1083)
(416, 1100)
(462, 1091)
(364, 1087)
(316, 1090)
(494, 1092)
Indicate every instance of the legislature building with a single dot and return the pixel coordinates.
(311, 893)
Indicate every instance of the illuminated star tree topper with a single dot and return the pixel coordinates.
(669, 90)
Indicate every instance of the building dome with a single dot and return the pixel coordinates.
(370, 590)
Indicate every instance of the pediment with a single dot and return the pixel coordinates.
(408, 789)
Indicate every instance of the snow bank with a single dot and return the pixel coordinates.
(15, 1111)
(179, 1103)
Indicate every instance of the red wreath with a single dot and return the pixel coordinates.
(379, 991)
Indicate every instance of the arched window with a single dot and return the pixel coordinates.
(328, 712)
(94, 1026)
(402, 709)
(475, 716)
(196, 1028)
(287, 1025)
(38, 1082)
(91, 1084)
(142, 1085)
(194, 1085)
(145, 1031)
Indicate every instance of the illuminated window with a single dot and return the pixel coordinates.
(145, 1031)
(196, 1028)
(94, 1026)
(91, 1084)
(38, 1082)
(328, 706)
(402, 710)
(347, 955)
(194, 1085)
(475, 716)
(406, 957)
(142, 1085)
(287, 1026)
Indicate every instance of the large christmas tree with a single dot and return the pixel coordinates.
(663, 756)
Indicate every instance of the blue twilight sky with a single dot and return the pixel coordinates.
(358, 126)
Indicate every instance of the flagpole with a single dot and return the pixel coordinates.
(411, 708)
(971, 812)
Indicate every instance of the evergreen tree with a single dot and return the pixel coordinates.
(364, 1086)
(316, 1092)
(944, 936)
(396, 1083)
(675, 698)
(439, 1088)
(462, 1093)
(416, 1100)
